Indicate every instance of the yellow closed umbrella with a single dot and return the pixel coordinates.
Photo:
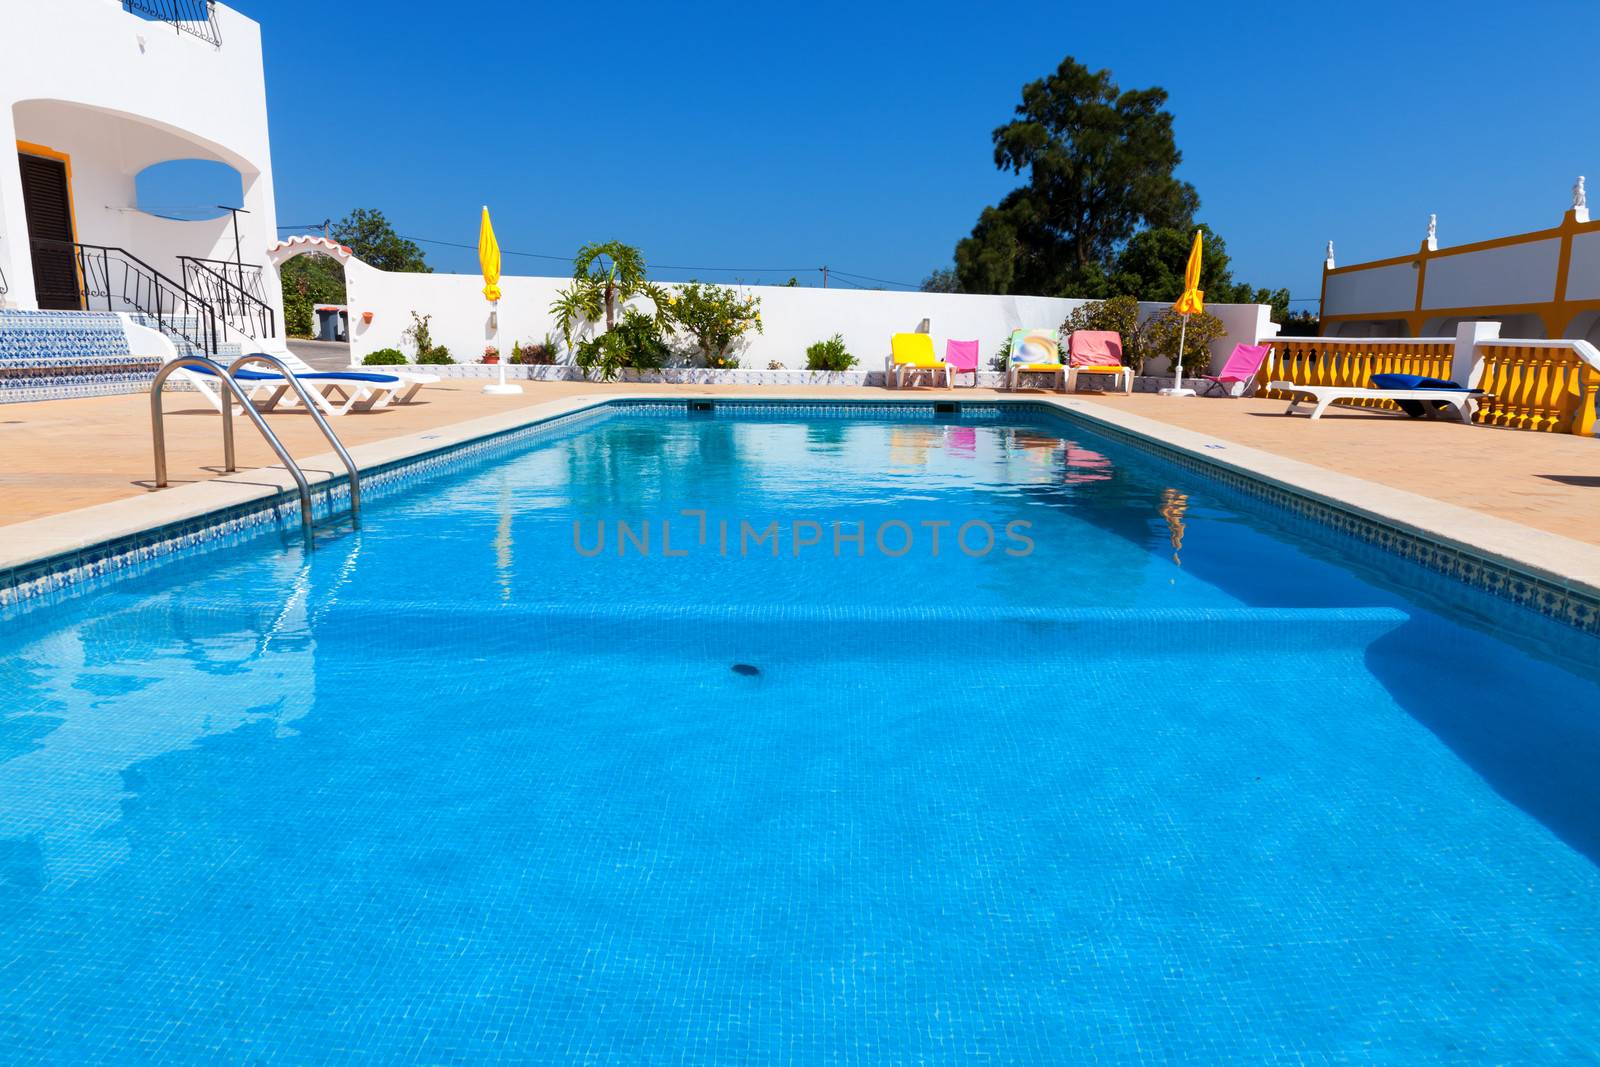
(489, 258)
(489, 261)
(1192, 302)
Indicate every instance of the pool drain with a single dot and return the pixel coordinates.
(749, 670)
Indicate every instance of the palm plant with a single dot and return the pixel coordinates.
(604, 277)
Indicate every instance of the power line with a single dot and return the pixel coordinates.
(870, 278)
(833, 272)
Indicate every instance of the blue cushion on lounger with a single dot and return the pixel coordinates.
(1410, 381)
(1414, 408)
(268, 376)
(354, 375)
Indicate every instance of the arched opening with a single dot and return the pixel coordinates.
(311, 272)
(1527, 325)
(1585, 326)
(188, 190)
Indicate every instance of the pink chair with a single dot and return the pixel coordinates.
(1241, 369)
(962, 356)
(1096, 352)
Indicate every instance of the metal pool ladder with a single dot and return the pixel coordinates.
(230, 393)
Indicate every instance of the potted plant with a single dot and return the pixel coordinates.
(491, 354)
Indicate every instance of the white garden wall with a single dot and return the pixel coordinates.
(793, 317)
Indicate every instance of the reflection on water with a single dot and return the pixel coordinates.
(196, 672)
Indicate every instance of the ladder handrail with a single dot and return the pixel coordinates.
(158, 430)
(321, 421)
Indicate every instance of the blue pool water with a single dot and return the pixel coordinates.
(1191, 780)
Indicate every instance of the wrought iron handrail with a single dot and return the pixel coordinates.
(245, 313)
(115, 274)
(196, 17)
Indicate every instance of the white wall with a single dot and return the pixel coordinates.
(1583, 272)
(1378, 289)
(118, 93)
(1512, 274)
(792, 317)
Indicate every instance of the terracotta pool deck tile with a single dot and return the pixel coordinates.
(60, 456)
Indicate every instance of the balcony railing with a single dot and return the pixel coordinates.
(197, 17)
(235, 292)
(100, 276)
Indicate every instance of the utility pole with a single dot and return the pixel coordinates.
(824, 277)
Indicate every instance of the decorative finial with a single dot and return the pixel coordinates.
(1327, 263)
(1433, 233)
(1580, 201)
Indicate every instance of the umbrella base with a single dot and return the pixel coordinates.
(503, 390)
(1177, 392)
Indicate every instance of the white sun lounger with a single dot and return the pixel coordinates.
(414, 380)
(334, 393)
(1323, 395)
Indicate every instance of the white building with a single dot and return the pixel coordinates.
(93, 92)
(1544, 284)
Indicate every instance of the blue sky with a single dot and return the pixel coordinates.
(775, 138)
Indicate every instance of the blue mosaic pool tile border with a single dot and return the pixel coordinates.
(47, 580)
(843, 408)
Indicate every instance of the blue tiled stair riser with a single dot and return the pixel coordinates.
(53, 355)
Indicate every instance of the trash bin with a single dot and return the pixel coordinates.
(327, 324)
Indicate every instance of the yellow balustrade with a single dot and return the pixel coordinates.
(1548, 388)
(1354, 360)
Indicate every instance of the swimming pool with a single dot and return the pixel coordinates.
(1186, 776)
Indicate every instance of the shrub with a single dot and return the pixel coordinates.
(385, 357)
(716, 317)
(1002, 355)
(633, 342)
(419, 336)
(296, 314)
(535, 353)
(1158, 336)
(829, 355)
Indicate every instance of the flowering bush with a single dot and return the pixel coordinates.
(716, 317)
(491, 354)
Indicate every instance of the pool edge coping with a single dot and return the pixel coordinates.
(1538, 556)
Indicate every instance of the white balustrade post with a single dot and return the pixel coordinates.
(1464, 361)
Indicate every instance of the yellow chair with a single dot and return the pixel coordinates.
(913, 353)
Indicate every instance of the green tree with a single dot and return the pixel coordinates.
(1099, 165)
(368, 234)
(605, 276)
(1152, 264)
(941, 280)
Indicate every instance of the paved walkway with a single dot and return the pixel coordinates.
(61, 455)
(323, 355)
